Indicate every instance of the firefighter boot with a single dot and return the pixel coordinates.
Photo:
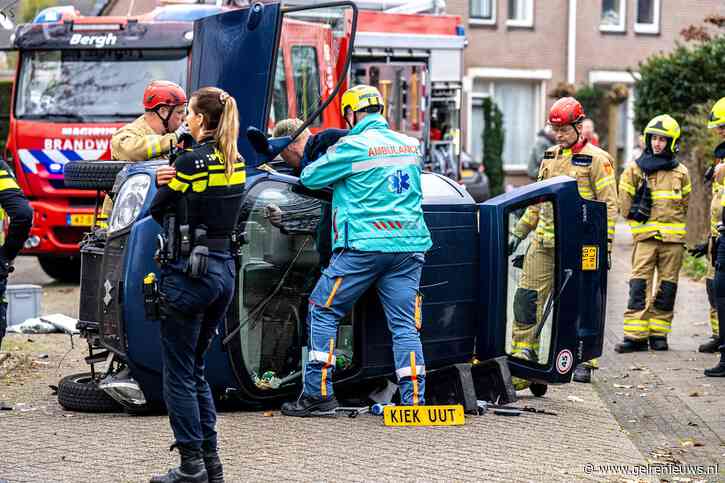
(711, 346)
(582, 373)
(719, 369)
(213, 464)
(658, 343)
(191, 469)
(631, 345)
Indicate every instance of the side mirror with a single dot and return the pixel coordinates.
(268, 149)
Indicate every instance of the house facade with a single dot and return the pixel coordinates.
(518, 50)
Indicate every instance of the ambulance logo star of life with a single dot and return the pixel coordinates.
(399, 182)
(564, 361)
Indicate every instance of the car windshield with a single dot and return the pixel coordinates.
(93, 83)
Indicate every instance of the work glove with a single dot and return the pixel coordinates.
(698, 250)
(518, 261)
(274, 214)
(183, 136)
(514, 243)
(709, 173)
(198, 261)
(6, 268)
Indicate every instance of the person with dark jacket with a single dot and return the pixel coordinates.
(544, 140)
(14, 203)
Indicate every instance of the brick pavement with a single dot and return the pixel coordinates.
(43, 443)
(662, 399)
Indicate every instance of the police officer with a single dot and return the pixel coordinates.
(654, 193)
(14, 203)
(592, 168)
(379, 238)
(204, 197)
(717, 122)
(305, 149)
(152, 135)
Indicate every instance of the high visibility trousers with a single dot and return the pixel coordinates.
(396, 276)
(534, 288)
(650, 314)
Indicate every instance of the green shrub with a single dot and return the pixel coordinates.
(695, 268)
(493, 137)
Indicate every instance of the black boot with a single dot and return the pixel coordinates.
(658, 343)
(306, 406)
(191, 469)
(711, 346)
(631, 345)
(213, 464)
(719, 369)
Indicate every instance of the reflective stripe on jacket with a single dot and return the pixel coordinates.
(593, 170)
(670, 198)
(376, 179)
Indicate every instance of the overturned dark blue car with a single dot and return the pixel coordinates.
(469, 280)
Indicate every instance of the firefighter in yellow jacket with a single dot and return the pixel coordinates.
(593, 169)
(716, 174)
(654, 192)
(154, 133)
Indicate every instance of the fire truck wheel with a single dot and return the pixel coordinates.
(538, 389)
(67, 270)
(92, 175)
(80, 392)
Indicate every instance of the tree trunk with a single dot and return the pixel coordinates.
(698, 213)
(612, 128)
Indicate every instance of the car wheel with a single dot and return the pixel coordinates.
(538, 389)
(67, 270)
(80, 392)
(92, 175)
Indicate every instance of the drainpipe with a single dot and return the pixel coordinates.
(571, 44)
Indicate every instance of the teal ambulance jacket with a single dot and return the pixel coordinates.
(376, 179)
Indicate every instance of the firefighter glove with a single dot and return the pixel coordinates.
(514, 243)
(518, 261)
(699, 250)
(183, 136)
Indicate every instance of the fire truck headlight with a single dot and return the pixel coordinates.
(129, 201)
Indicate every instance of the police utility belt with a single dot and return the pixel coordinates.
(178, 242)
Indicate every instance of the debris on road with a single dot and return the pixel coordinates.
(574, 399)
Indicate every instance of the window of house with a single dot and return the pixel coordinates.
(483, 12)
(520, 13)
(515, 99)
(613, 15)
(307, 81)
(648, 17)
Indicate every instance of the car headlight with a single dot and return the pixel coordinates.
(129, 201)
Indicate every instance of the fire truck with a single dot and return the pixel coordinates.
(81, 78)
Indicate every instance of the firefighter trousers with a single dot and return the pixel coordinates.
(396, 276)
(530, 301)
(649, 312)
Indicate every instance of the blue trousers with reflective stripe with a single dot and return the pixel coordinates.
(396, 277)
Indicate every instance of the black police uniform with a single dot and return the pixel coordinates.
(201, 197)
(13, 201)
(719, 285)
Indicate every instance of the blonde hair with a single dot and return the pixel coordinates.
(286, 127)
(222, 119)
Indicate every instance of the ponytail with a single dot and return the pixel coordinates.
(221, 118)
(227, 132)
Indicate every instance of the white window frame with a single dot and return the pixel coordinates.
(527, 22)
(648, 28)
(483, 21)
(622, 19)
(491, 75)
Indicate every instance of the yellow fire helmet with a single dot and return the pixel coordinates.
(717, 115)
(360, 97)
(664, 125)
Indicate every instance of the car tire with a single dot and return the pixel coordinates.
(66, 270)
(538, 389)
(92, 175)
(80, 392)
